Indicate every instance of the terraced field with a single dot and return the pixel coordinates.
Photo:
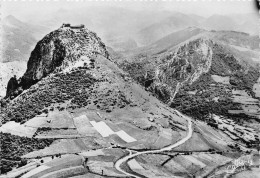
(196, 164)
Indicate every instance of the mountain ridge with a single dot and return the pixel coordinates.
(168, 70)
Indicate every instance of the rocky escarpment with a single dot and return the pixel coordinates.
(188, 79)
(60, 50)
(191, 77)
(183, 67)
(199, 59)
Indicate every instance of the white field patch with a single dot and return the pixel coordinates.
(35, 171)
(102, 128)
(220, 79)
(15, 128)
(106, 131)
(123, 135)
(133, 164)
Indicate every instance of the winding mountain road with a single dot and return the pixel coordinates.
(126, 158)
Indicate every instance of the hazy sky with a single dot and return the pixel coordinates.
(22, 9)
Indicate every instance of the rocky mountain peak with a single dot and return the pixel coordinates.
(186, 65)
(61, 50)
(197, 59)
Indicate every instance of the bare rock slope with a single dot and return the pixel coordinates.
(60, 49)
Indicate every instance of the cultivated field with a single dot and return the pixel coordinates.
(15, 128)
(197, 164)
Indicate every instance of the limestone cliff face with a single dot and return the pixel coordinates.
(198, 58)
(184, 66)
(60, 50)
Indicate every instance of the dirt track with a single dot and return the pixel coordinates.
(126, 158)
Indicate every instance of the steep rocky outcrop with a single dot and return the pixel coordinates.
(12, 85)
(202, 95)
(60, 50)
(184, 76)
(184, 66)
(194, 59)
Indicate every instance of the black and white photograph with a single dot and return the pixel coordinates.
(129, 89)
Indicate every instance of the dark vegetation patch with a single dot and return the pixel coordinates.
(242, 76)
(58, 88)
(141, 70)
(13, 147)
(109, 99)
(223, 63)
(210, 97)
(78, 89)
(200, 106)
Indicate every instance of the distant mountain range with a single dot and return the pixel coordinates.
(19, 38)
(154, 31)
(160, 29)
(142, 27)
(128, 30)
(180, 21)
